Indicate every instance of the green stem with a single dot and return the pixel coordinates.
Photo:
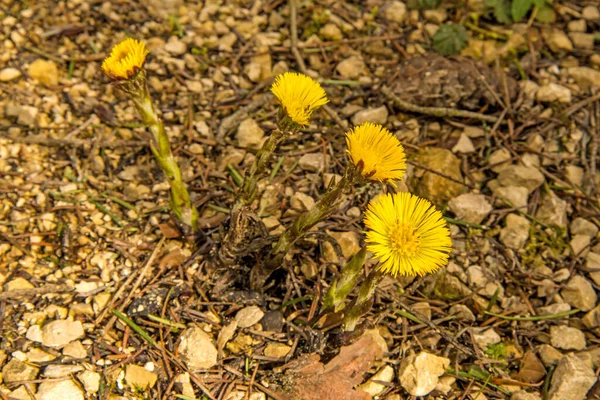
(363, 303)
(181, 204)
(324, 207)
(340, 288)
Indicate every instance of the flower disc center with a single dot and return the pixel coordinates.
(404, 240)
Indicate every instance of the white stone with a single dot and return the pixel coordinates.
(59, 333)
(90, 381)
(250, 134)
(516, 231)
(351, 68)
(579, 293)
(571, 380)
(395, 11)
(419, 374)
(386, 374)
(554, 92)
(197, 349)
(175, 46)
(470, 207)
(59, 390)
(464, 145)
(9, 74)
(249, 316)
(567, 338)
(377, 115)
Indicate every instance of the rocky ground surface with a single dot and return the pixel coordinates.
(101, 297)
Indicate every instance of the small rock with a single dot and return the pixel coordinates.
(9, 74)
(90, 381)
(485, 338)
(59, 370)
(302, 202)
(585, 77)
(372, 386)
(571, 380)
(552, 210)
(558, 41)
(250, 134)
(519, 175)
(476, 277)
(331, 32)
(419, 374)
(352, 67)
(567, 338)
(197, 349)
(514, 196)
(395, 11)
(45, 72)
(590, 13)
(16, 370)
(582, 40)
(475, 132)
(574, 174)
(462, 312)
(523, 395)
(27, 115)
(75, 349)
(516, 231)
(437, 15)
(277, 350)
(470, 207)
(184, 386)
(435, 187)
(59, 333)
(464, 145)
(579, 245)
(377, 115)
(18, 283)
(249, 316)
(577, 25)
(139, 377)
(593, 265)
(554, 309)
(579, 293)
(59, 390)
(554, 92)
(549, 355)
(175, 46)
(348, 241)
(499, 160)
(194, 86)
(313, 162)
(581, 226)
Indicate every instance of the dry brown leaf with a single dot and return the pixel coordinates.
(308, 379)
(532, 370)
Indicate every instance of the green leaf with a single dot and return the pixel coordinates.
(502, 11)
(520, 8)
(450, 39)
(545, 14)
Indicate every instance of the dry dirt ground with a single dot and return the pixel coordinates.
(102, 298)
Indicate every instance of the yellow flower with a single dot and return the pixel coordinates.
(299, 96)
(126, 59)
(380, 152)
(407, 234)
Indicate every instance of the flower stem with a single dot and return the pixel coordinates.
(181, 204)
(363, 303)
(324, 207)
(340, 288)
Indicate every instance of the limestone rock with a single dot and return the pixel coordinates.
(593, 264)
(45, 72)
(571, 380)
(197, 349)
(514, 196)
(552, 210)
(470, 207)
(331, 31)
(554, 92)
(352, 67)
(175, 46)
(16, 370)
(27, 115)
(582, 40)
(419, 374)
(485, 338)
(9, 74)
(567, 338)
(590, 13)
(580, 226)
(250, 134)
(516, 231)
(520, 175)
(585, 77)
(59, 333)
(302, 202)
(313, 162)
(59, 390)
(435, 187)
(90, 381)
(557, 41)
(373, 386)
(139, 377)
(61, 370)
(249, 316)
(377, 115)
(276, 349)
(395, 11)
(579, 293)
(464, 145)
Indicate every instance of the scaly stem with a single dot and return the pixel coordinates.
(340, 288)
(181, 204)
(324, 207)
(363, 303)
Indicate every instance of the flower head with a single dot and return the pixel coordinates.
(125, 59)
(299, 96)
(381, 154)
(407, 234)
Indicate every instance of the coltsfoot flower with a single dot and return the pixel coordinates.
(299, 95)
(378, 150)
(126, 59)
(407, 235)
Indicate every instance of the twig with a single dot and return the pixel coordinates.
(48, 141)
(419, 165)
(46, 289)
(441, 112)
(534, 318)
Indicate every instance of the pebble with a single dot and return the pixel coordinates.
(16, 370)
(250, 134)
(557, 41)
(485, 338)
(435, 187)
(514, 196)
(419, 374)
(549, 355)
(377, 115)
(75, 349)
(567, 338)
(352, 67)
(523, 395)
(590, 13)
(437, 16)
(348, 241)
(249, 316)
(59, 390)
(579, 245)
(553, 92)
(27, 115)
(552, 210)
(59, 333)
(574, 174)
(276, 349)
(395, 11)
(331, 32)
(175, 46)
(582, 40)
(9, 74)
(44, 71)
(90, 381)
(18, 283)
(462, 312)
(464, 145)
(139, 377)
(313, 162)
(579, 293)
(184, 385)
(585, 77)
(519, 175)
(470, 207)
(581, 226)
(60, 370)
(302, 202)
(373, 386)
(592, 264)
(197, 349)
(571, 380)
(577, 25)
(515, 232)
